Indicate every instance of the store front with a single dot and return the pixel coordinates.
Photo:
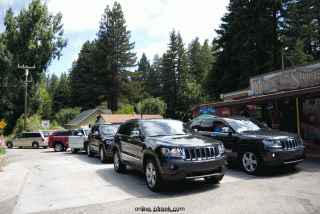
(286, 100)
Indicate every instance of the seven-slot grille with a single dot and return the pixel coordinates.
(202, 153)
(291, 144)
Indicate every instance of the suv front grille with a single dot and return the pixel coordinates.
(202, 153)
(291, 144)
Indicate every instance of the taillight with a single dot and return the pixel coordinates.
(43, 139)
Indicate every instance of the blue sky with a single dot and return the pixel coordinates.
(150, 23)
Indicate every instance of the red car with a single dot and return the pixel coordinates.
(59, 140)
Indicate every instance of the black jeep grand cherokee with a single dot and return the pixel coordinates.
(167, 150)
(252, 144)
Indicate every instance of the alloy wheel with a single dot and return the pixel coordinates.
(249, 162)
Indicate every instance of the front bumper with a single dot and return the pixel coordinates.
(178, 169)
(282, 157)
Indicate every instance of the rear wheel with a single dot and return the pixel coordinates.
(250, 162)
(103, 156)
(35, 145)
(58, 147)
(118, 165)
(153, 177)
(9, 145)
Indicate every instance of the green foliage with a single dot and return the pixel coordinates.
(152, 106)
(66, 115)
(298, 56)
(2, 151)
(103, 105)
(33, 123)
(128, 109)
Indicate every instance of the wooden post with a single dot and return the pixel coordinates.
(298, 124)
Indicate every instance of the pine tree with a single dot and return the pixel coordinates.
(114, 35)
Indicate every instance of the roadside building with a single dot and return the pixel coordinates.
(86, 117)
(120, 118)
(287, 100)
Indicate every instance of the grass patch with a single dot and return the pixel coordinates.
(2, 151)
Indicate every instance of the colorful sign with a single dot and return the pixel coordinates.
(2, 124)
(206, 110)
(299, 77)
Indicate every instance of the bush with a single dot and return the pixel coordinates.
(2, 151)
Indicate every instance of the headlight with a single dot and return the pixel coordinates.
(173, 152)
(272, 143)
(221, 149)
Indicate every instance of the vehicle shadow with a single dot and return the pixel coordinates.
(133, 182)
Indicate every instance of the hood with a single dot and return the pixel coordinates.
(107, 137)
(269, 134)
(185, 140)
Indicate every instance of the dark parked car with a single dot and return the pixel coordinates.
(59, 140)
(252, 144)
(101, 139)
(167, 150)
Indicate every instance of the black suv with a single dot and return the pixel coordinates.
(252, 144)
(101, 138)
(167, 150)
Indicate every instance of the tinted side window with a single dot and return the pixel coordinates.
(62, 134)
(126, 129)
(206, 126)
(195, 124)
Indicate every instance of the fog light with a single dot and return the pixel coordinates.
(171, 167)
(273, 155)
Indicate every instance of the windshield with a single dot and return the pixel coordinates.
(86, 131)
(109, 130)
(242, 125)
(166, 128)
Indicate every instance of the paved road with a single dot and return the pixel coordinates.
(43, 181)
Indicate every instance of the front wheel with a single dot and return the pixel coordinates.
(153, 177)
(89, 152)
(58, 147)
(35, 145)
(250, 162)
(9, 145)
(74, 151)
(214, 179)
(118, 165)
(103, 156)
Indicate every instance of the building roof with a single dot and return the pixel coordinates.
(85, 114)
(120, 118)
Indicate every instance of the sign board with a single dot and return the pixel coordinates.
(2, 124)
(299, 77)
(206, 110)
(45, 124)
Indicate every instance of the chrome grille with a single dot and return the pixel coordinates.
(291, 144)
(202, 153)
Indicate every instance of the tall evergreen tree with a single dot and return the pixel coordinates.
(114, 35)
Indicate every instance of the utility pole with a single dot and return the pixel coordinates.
(25, 99)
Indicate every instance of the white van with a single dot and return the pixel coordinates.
(28, 139)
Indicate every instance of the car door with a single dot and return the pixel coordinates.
(95, 139)
(135, 145)
(18, 140)
(224, 133)
(122, 136)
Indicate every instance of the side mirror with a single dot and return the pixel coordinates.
(196, 131)
(226, 130)
(95, 132)
(136, 134)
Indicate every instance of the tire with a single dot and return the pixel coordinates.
(250, 162)
(153, 178)
(118, 165)
(89, 152)
(213, 179)
(35, 145)
(74, 151)
(9, 145)
(58, 147)
(20, 147)
(103, 156)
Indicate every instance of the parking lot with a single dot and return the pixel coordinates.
(44, 181)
